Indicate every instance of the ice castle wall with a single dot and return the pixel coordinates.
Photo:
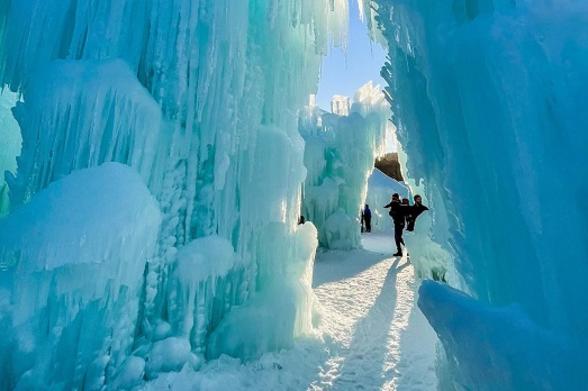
(201, 98)
(339, 155)
(487, 97)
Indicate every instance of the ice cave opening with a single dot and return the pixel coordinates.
(156, 157)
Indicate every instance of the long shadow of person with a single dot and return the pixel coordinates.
(363, 364)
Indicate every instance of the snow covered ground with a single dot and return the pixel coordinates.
(370, 334)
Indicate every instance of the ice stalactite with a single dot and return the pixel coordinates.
(80, 114)
(487, 101)
(339, 155)
(202, 100)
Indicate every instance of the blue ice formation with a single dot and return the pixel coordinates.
(488, 98)
(339, 154)
(197, 100)
(10, 147)
(71, 278)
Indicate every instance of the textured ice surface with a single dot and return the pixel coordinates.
(115, 119)
(488, 99)
(10, 144)
(339, 156)
(496, 341)
(202, 99)
(71, 277)
(271, 319)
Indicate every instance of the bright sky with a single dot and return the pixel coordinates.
(343, 73)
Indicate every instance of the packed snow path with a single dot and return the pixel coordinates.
(369, 309)
(371, 335)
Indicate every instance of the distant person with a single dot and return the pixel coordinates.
(414, 212)
(366, 218)
(301, 220)
(398, 213)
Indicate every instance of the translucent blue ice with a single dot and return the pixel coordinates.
(200, 100)
(339, 154)
(488, 97)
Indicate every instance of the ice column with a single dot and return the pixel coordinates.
(339, 156)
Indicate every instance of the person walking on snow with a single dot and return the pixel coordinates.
(414, 212)
(366, 218)
(398, 213)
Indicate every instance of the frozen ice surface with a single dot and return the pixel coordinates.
(339, 155)
(488, 343)
(488, 102)
(115, 119)
(201, 98)
(10, 144)
(282, 310)
(71, 277)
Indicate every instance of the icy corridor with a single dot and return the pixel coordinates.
(371, 335)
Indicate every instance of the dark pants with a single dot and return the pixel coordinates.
(368, 225)
(398, 228)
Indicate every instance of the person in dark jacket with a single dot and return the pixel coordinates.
(366, 218)
(414, 212)
(398, 213)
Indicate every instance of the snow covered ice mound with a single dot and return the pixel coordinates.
(71, 272)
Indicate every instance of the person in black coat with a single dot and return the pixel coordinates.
(366, 218)
(414, 212)
(398, 212)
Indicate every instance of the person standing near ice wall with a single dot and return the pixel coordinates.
(397, 212)
(414, 212)
(366, 218)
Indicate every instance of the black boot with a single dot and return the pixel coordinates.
(398, 254)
